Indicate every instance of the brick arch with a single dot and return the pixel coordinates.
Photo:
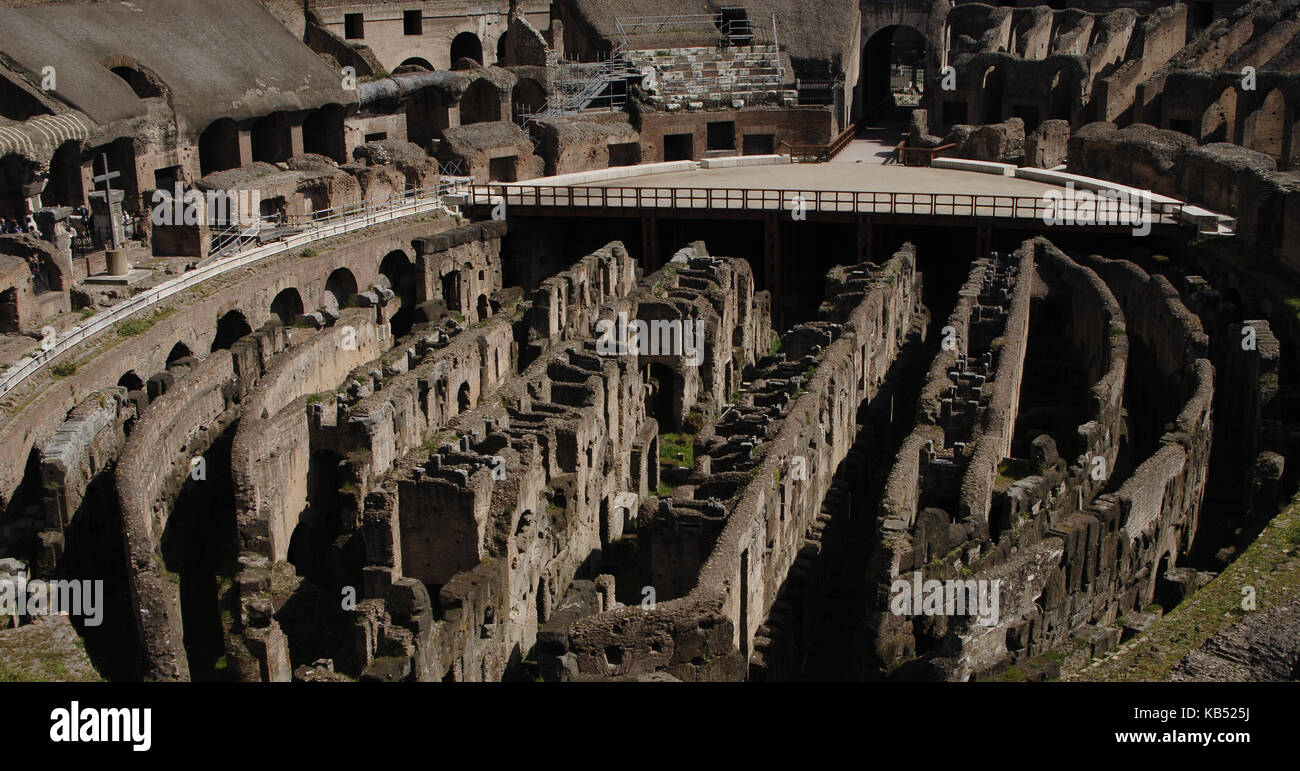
(1265, 128)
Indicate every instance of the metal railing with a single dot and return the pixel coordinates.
(973, 205)
(728, 30)
(344, 220)
(820, 153)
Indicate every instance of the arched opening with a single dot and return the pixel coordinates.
(501, 50)
(322, 133)
(661, 395)
(414, 64)
(271, 139)
(427, 116)
(219, 147)
(1058, 99)
(992, 88)
(1216, 121)
(230, 328)
(451, 291)
(287, 306)
(121, 158)
(466, 45)
(64, 186)
(893, 74)
(131, 381)
(141, 83)
(484, 310)
(178, 352)
(526, 97)
(321, 523)
(339, 288)
(1265, 127)
(18, 183)
(480, 103)
(462, 399)
(399, 271)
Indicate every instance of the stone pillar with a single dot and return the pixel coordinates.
(106, 211)
(54, 228)
(295, 140)
(245, 146)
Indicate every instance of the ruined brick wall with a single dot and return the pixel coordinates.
(182, 422)
(1069, 560)
(1064, 559)
(709, 634)
(1160, 36)
(270, 455)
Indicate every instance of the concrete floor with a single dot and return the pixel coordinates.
(858, 168)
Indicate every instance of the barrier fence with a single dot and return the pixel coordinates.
(1119, 213)
(338, 222)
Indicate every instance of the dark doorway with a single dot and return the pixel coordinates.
(758, 144)
(230, 328)
(679, 147)
(466, 45)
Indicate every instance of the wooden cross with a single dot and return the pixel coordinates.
(107, 178)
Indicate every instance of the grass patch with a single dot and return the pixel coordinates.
(63, 369)
(1270, 565)
(673, 445)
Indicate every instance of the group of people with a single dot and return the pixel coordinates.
(14, 226)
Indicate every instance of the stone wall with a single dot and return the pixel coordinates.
(709, 634)
(270, 456)
(178, 427)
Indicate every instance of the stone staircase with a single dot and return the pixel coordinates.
(692, 78)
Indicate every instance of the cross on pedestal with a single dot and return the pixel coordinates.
(107, 178)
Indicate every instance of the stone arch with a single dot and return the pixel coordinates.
(219, 147)
(415, 63)
(339, 288)
(399, 271)
(992, 88)
(19, 183)
(1264, 129)
(287, 305)
(428, 115)
(466, 45)
(322, 133)
(1058, 97)
(528, 96)
(1218, 118)
(482, 307)
(480, 103)
(131, 381)
(64, 187)
(144, 83)
(271, 138)
(879, 56)
(178, 351)
(464, 401)
(230, 327)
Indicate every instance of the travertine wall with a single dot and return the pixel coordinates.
(709, 633)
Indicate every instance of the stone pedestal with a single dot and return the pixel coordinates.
(117, 263)
(106, 211)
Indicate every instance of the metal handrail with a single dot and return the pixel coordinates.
(973, 205)
(345, 220)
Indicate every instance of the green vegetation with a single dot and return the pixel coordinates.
(134, 327)
(63, 369)
(1270, 565)
(671, 446)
